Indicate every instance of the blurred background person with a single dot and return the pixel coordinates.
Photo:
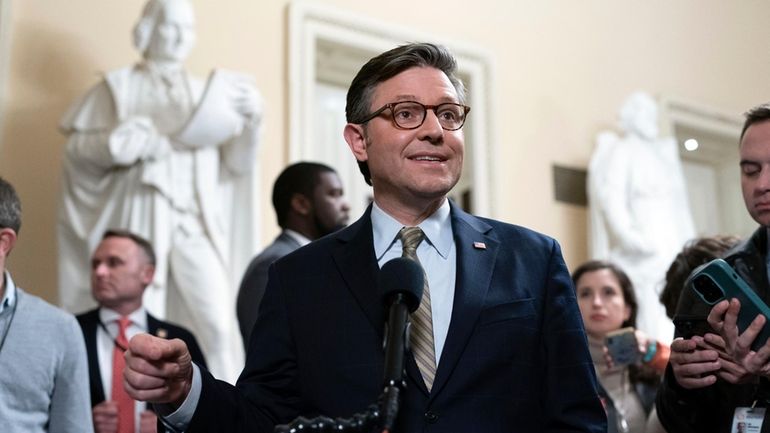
(43, 367)
(695, 253)
(689, 313)
(309, 203)
(607, 303)
(121, 269)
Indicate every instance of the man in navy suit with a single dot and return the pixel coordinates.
(309, 203)
(122, 266)
(507, 347)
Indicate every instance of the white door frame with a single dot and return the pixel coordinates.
(677, 111)
(310, 23)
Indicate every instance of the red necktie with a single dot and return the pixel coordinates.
(119, 395)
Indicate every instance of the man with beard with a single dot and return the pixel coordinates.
(309, 203)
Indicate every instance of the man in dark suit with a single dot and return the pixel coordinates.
(122, 266)
(498, 344)
(309, 203)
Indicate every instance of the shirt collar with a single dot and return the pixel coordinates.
(299, 237)
(138, 317)
(437, 229)
(9, 296)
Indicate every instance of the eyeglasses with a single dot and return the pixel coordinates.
(411, 114)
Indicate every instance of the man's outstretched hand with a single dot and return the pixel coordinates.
(158, 370)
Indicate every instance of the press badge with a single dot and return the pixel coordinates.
(748, 419)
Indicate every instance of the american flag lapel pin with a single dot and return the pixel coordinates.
(480, 245)
(161, 332)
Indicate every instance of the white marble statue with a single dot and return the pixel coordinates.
(639, 211)
(170, 157)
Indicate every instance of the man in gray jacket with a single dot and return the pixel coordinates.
(43, 367)
(309, 203)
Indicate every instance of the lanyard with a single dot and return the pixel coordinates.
(8, 326)
(114, 339)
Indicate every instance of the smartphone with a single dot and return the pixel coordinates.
(623, 347)
(716, 280)
(689, 325)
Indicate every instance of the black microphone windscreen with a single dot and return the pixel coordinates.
(405, 276)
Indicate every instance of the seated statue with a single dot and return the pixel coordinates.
(153, 150)
(640, 214)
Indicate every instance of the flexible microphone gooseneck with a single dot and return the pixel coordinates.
(401, 282)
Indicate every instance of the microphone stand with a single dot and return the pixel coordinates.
(382, 415)
(363, 422)
(401, 281)
(396, 342)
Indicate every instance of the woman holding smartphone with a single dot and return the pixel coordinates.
(629, 371)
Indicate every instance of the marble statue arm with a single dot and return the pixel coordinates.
(240, 153)
(99, 137)
(133, 140)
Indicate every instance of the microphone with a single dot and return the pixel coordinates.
(401, 282)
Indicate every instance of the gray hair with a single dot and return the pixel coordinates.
(10, 207)
(141, 242)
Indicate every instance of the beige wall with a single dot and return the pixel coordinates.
(562, 68)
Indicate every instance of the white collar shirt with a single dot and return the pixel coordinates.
(105, 342)
(299, 237)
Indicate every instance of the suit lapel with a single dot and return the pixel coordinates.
(152, 324)
(355, 260)
(90, 323)
(473, 278)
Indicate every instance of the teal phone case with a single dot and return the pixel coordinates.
(716, 280)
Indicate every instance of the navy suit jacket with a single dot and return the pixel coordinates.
(255, 280)
(89, 323)
(515, 358)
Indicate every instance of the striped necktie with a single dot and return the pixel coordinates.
(421, 335)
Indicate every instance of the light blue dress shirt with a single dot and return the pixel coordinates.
(9, 296)
(437, 255)
(6, 306)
